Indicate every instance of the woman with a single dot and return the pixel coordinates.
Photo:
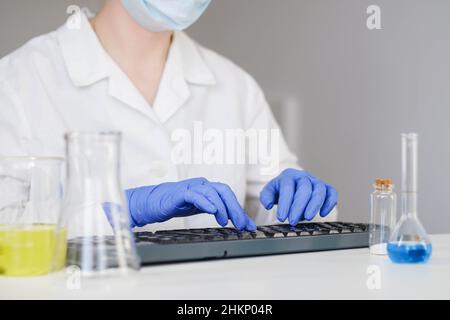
(132, 69)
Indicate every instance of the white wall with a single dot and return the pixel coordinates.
(357, 90)
(20, 20)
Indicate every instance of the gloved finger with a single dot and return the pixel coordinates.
(199, 201)
(286, 196)
(269, 195)
(235, 212)
(195, 182)
(331, 200)
(211, 194)
(301, 200)
(317, 199)
(251, 226)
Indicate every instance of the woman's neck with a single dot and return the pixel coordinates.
(122, 36)
(141, 54)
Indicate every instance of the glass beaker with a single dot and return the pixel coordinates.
(409, 243)
(100, 240)
(30, 205)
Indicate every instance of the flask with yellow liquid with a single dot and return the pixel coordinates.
(30, 205)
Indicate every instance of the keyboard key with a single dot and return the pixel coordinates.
(230, 234)
(300, 232)
(231, 237)
(333, 229)
(258, 235)
(344, 228)
(357, 227)
(286, 230)
(269, 232)
(245, 235)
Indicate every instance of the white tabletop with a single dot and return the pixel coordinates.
(319, 275)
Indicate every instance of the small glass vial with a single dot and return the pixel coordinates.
(383, 215)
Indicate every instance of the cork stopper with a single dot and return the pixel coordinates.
(383, 184)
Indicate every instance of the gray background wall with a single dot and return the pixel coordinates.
(353, 91)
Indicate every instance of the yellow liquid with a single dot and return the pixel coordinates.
(31, 250)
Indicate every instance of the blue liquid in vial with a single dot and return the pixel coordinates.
(409, 252)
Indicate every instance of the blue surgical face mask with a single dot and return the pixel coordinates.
(163, 15)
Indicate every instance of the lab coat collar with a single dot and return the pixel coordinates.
(87, 63)
(195, 69)
(85, 59)
(184, 65)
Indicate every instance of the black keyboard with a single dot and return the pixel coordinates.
(168, 246)
(216, 243)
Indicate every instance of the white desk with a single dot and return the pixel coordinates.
(321, 275)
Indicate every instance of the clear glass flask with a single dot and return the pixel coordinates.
(383, 216)
(30, 207)
(95, 215)
(409, 243)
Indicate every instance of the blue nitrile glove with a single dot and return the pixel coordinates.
(299, 195)
(186, 198)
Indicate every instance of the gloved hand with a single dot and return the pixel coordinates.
(186, 198)
(299, 195)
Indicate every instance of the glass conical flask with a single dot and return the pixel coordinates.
(94, 211)
(409, 243)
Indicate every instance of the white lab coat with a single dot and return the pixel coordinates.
(65, 81)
